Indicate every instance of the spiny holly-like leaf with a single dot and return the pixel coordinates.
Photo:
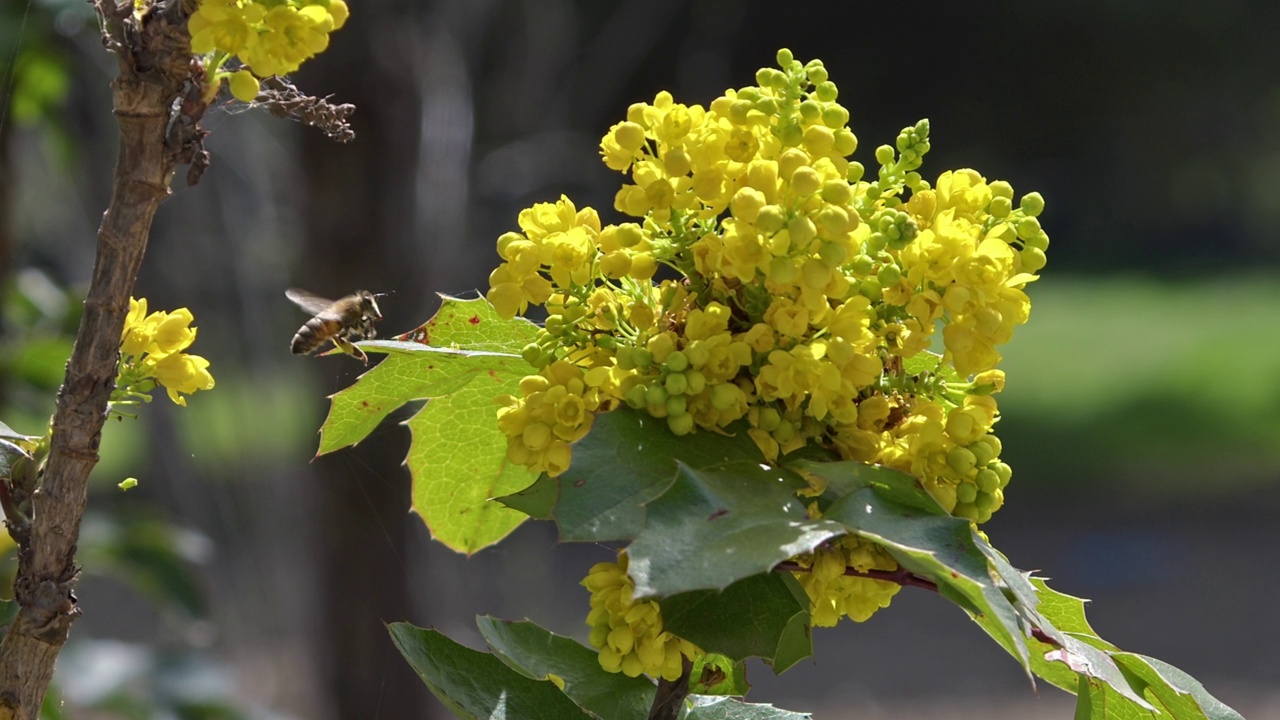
(627, 461)
(893, 510)
(457, 456)
(1079, 661)
(458, 462)
(715, 526)
(467, 338)
(470, 324)
(765, 616)
(10, 455)
(538, 501)
(476, 685)
(537, 653)
(844, 478)
(1071, 652)
(940, 548)
(404, 376)
(1051, 648)
(1177, 694)
(719, 708)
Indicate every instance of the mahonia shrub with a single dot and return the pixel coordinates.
(769, 387)
(765, 280)
(243, 41)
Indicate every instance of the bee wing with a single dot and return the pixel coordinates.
(312, 303)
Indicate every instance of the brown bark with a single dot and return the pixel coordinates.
(158, 130)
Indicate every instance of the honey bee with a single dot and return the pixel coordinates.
(341, 322)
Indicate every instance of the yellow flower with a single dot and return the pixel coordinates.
(340, 12)
(224, 25)
(629, 633)
(151, 348)
(182, 373)
(136, 335)
(170, 332)
(289, 36)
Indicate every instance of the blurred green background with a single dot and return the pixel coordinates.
(243, 579)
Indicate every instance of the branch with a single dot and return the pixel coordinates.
(899, 576)
(158, 129)
(669, 699)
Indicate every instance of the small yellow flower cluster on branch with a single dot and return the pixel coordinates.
(834, 594)
(765, 280)
(628, 633)
(268, 37)
(151, 348)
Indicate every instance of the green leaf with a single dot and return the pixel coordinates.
(1085, 663)
(719, 708)
(850, 476)
(10, 455)
(517, 678)
(457, 456)
(469, 340)
(476, 685)
(764, 616)
(628, 460)
(458, 461)
(1070, 651)
(470, 324)
(718, 525)
(940, 548)
(412, 374)
(537, 653)
(538, 501)
(1174, 691)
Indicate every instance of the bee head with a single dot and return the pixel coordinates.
(369, 305)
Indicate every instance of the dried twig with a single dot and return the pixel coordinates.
(283, 99)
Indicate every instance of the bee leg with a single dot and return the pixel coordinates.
(351, 350)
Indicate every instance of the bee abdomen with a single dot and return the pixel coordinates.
(310, 336)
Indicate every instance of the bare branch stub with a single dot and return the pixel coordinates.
(283, 99)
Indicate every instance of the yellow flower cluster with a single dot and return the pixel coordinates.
(834, 594)
(765, 282)
(270, 37)
(555, 409)
(629, 634)
(800, 298)
(151, 348)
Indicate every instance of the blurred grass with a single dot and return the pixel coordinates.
(1147, 383)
